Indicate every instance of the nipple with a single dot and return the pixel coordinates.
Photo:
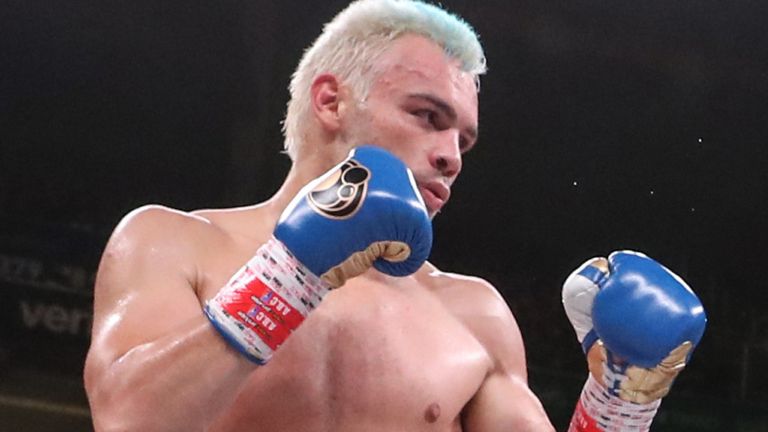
(432, 413)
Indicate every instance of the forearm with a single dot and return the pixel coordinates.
(182, 381)
(598, 410)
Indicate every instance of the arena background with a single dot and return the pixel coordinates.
(604, 125)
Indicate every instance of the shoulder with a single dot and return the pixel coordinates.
(155, 237)
(479, 306)
(154, 234)
(152, 227)
(151, 214)
(159, 224)
(193, 234)
(467, 295)
(155, 216)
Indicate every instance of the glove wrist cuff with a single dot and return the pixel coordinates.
(265, 301)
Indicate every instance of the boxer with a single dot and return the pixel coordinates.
(317, 310)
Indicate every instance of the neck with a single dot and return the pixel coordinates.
(305, 168)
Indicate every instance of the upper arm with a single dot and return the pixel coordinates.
(504, 401)
(143, 286)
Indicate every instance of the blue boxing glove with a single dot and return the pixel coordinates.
(638, 323)
(365, 212)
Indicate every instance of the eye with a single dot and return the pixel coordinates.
(427, 115)
(463, 144)
(466, 143)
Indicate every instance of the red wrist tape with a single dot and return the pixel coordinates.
(582, 422)
(598, 410)
(265, 301)
(258, 307)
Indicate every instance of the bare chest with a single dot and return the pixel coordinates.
(372, 357)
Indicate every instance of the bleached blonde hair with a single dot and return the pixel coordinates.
(350, 44)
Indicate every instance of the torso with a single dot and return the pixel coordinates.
(374, 356)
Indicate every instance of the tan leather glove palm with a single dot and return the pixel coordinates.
(641, 385)
(359, 262)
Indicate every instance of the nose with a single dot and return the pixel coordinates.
(446, 155)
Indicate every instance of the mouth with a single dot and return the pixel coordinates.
(435, 195)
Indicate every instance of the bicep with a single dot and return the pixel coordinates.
(505, 403)
(141, 292)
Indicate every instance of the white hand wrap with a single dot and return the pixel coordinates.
(599, 410)
(265, 301)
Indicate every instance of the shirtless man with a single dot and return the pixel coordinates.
(392, 348)
(317, 311)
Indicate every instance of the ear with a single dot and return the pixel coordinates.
(328, 101)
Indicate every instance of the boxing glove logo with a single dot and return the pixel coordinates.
(342, 193)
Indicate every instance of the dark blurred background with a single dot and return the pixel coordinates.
(604, 125)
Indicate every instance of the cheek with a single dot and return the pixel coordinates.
(394, 126)
(359, 129)
(391, 128)
(401, 143)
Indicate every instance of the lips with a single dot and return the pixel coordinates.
(435, 194)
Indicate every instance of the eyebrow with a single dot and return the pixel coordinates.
(447, 109)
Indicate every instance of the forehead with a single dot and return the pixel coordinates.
(416, 64)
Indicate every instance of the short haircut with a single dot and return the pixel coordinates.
(350, 44)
